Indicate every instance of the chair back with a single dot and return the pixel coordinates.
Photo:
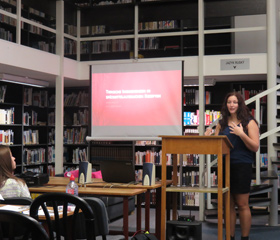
(101, 223)
(30, 229)
(17, 201)
(57, 219)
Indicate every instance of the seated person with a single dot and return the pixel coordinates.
(10, 185)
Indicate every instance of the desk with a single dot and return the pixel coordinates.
(115, 192)
(62, 181)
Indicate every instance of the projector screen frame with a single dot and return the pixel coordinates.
(135, 138)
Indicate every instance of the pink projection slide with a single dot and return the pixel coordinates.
(137, 98)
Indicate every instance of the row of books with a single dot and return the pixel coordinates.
(6, 137)
(37, 169)
(92, 30)
(81, 117)
(190, 160)
(190, 199)
(51, 170)
(145, 143)
(70, 47)
(12, 2)
(51, 119)
(31, 120)
(7, 19)
(148, 43)
(78, 155)
(250, 93)
(114, 45)
(6, 35)
(191, 96)
(31, 137)
(7, 116)
(44, 46)
(35, 98)
(37, 12)
(34, 156)
(35, 29)
(157, 25)
(192, 118)
(74, 136)
(71, 29)
(148, 156)
(51, 154)
(76, 99)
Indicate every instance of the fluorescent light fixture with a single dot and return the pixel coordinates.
(194, 82)
(23, 80)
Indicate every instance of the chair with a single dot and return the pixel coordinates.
(101, 223)
(11, 221)
(17, 201)
(63, 225)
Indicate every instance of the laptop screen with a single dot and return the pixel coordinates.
(115, 171)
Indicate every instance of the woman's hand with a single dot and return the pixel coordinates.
(235, 129)
(208, 132)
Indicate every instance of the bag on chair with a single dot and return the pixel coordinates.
(144, 236)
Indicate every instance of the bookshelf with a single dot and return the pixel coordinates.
(24, 125)
(165, 29)
(76, 122)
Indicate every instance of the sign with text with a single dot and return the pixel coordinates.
(235, 64)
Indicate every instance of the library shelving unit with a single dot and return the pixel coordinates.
(164, 29)
(24, 125)
(76, 120)
(35, 140)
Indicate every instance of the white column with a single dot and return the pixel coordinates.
(271, 102)
(18, 29)
(59, 87)
(201, 127)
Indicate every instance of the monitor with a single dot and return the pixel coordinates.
(115, 171)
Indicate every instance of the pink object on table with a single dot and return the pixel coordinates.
(75, 173)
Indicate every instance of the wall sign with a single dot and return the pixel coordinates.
(235, 64)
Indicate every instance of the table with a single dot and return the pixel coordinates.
(100, 183)
(219, 145)
(125, 193)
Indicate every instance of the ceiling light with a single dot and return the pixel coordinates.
(23, 80)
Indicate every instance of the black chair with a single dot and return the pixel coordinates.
(11, 221)
(101, 223)
(17, 201)
(64, 225)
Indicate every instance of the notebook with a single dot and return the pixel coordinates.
(116, 171)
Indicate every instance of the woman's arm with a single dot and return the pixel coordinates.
(251, 140)
(208, 131)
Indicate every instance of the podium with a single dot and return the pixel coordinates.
(219, 145)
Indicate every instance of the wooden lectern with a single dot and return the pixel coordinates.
(219, 145)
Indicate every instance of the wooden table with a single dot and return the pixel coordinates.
(219, 145)
(125, 193)
(100, 183)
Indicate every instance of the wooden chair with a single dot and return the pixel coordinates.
(30, 229)
(63, 225)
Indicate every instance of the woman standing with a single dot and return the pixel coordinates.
(242, 130)
(10, 186)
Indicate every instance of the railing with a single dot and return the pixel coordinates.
(256, 99)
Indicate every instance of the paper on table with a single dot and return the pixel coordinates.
(1, 198)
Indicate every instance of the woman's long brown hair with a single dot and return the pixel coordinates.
(243, 112)
(6, 168)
